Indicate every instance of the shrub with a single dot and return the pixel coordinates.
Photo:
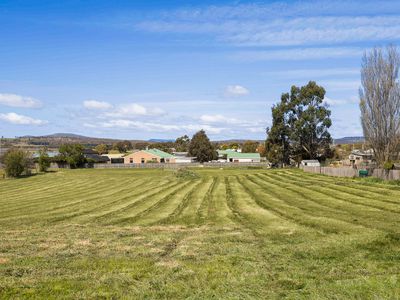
(17, 162)
(388, 165)
(44, 160)
(184, 173)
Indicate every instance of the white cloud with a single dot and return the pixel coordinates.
(134, 109)
(96, 105)
(218, 119)
(14, 100)
(236, 90)
(14, 118)
(254, 126)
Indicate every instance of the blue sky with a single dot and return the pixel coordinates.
(161, 69)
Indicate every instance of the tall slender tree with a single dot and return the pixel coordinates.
(380, 102)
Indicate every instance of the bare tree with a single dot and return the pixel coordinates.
(380, 102)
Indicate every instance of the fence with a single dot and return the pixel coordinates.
(179, 165)
(350, 172)
(386, 175)
(339, 172)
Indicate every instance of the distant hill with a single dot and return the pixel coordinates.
(67, 135)
(350, 140)
(57, 135)
(160, 140)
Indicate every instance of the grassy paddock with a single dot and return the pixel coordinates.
(234, 234)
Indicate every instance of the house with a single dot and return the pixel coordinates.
(361, 157)
(310, 163)
(183, 158)
(240, 157)
(117, 158)
(149, 156)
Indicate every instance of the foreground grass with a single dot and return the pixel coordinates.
(227, 234)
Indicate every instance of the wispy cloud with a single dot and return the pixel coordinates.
(218, 118)
(335, 102)
(14, 100)
(314, 73)
(17, 119)
(97, 105)
(133, 109)
(340, 85)
(297, 54)
(298, 8)
(271, 25)
(236, 90)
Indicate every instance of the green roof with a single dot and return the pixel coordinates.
(243, 155)
(159, 153)
(223, 152)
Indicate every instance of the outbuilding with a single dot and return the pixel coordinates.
(183, 158)
(240, 157)
(310, 163)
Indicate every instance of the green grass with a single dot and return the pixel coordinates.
(231, 234)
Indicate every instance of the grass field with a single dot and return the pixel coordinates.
(231, 234)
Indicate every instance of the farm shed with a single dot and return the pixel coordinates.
(183, 158)
(310, 163)
(243, 157)
(360, 157)
(149, 156)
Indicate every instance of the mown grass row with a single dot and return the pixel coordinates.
(221, 234)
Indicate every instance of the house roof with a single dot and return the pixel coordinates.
(233, 154)
(362, 152)
(159, 153)
(97, 158)
(49, 153)
(226, 152)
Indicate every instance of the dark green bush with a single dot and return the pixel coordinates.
(17, 162)
(44, 160)
(388, 165)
